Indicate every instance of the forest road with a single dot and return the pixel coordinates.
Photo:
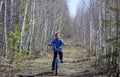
(76, 64)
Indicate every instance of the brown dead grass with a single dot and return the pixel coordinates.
(75, 63)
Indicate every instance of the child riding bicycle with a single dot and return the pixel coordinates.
(58, 43)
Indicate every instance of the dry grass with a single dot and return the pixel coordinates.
(75, 63)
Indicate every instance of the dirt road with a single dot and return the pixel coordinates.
(76, 63)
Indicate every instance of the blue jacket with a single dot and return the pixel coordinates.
(57, 44)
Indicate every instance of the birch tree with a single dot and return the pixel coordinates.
(5, 27)
(11, 16)
(44, 18)
(1, 4)
(32, 22)
(23, 25)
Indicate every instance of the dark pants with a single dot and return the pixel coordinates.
(55, 56)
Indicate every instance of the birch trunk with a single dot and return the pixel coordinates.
(33, 23)
(5, 27)
(1, 3)
(91, 26)
(98, 37)
(23, 25)
(11, 16)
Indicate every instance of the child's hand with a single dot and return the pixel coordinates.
(50, 44)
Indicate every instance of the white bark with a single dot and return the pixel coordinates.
(100, 28)
(5, 28)
(33, 23)
(23, 25)
(1, 3)
(11, 15)
(91, 27)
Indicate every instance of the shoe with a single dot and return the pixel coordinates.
(61, 61)
(53, 69)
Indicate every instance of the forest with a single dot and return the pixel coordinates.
(93, 38)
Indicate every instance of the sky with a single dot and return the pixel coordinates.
(73, 6)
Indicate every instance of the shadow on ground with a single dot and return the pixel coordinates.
(41, 74)
(49, 74)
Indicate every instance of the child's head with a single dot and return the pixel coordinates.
(57, 35)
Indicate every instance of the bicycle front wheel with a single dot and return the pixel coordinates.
(56, 66)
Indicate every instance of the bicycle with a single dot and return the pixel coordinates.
(57, 61)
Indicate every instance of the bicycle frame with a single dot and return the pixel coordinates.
(57, 61)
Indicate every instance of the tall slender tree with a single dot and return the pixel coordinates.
(23, 24)
(5, 27)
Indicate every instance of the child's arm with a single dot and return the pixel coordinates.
(63, 43)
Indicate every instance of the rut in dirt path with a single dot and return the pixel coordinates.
(75, 63)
